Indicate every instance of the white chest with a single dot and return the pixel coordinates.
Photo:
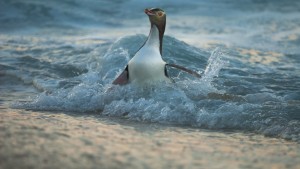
(147, 66)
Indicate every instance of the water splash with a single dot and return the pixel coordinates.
(215, 64)
(204, 103)
(91, 93)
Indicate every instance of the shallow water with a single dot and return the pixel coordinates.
(63, 56)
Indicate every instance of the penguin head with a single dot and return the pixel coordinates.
(156, 16)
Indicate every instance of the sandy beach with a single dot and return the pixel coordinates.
(59, 140)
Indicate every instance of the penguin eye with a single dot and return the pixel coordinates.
(160, 14)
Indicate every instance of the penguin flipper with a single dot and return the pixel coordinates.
(184, 69)
(123, 78)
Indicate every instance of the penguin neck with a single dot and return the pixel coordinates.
(155, 37)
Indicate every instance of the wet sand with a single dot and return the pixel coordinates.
(58, 140)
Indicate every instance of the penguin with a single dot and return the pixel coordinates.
(147, 65)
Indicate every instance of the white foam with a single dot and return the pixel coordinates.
(189, 101)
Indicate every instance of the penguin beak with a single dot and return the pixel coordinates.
(148, 12)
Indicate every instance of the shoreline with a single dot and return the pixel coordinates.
(58, 140)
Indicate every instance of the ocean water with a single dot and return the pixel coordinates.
(63, 55)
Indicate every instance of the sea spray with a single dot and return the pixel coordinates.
(224, 98)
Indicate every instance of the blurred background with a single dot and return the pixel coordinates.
(269, 25)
